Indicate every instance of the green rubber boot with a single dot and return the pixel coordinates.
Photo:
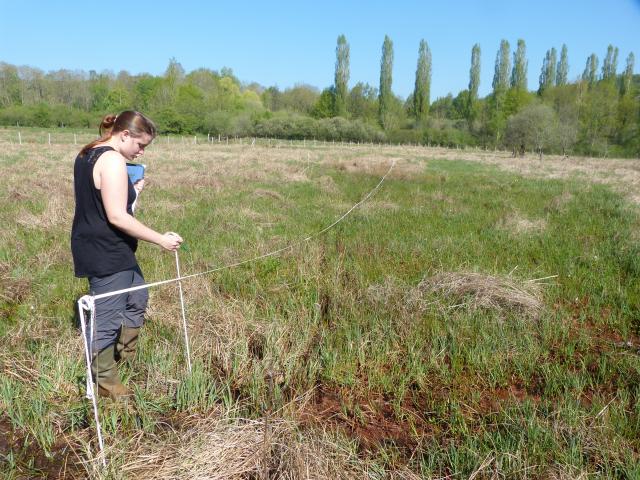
(105, 374)
(127, 341)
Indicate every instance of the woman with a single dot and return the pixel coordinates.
(104, 238)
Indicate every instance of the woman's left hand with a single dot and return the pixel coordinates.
(138, 186)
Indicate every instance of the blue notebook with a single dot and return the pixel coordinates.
(135, 171)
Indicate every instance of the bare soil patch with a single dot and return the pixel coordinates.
(61, 463)
(371, 421)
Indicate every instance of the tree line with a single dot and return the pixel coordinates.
(596, 114)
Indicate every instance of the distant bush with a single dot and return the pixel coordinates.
(44, 115)
(297, 127)
(443, 132)
(169, 121)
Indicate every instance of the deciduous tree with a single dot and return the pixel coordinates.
(590, 73)
(520, 63)
(341, 78)
(421, 93)
(363, 102)
(385, 96)
(610, 64)
(500, 84)
(548, 71)
(503, 66)
(474, 83)
(533, 128)
(562, 72)
(627, 77)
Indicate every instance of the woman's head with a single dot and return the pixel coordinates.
(135, 122)
(129, 126)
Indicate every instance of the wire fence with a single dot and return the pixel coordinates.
(31, 136)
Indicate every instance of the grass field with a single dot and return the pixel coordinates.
(478, 317)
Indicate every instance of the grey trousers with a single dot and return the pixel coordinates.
(113, 312)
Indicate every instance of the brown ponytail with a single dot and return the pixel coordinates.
(107, 124)
(130, 120)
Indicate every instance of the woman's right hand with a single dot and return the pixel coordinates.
(171, 241)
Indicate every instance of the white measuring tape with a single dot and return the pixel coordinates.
(87, 302)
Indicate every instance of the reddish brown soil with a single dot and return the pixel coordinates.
(604, 337)
(372, 422)
(61, 463)
(492, 400)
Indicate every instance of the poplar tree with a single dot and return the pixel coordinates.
(341, 76)
(627, 121)
(562, 72)
(590, 74)
(474, 81)
(520, 64)
(548, 71)
(500, 84)
(501, 73)
(628, 74)
(173, 76)
(422, 90)
(610, 64)
(385, 96)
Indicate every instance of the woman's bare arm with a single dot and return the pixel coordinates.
(114, 189)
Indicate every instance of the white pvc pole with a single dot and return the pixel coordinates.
(86, 302)
(184, 317)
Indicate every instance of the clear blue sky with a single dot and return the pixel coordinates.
(288, 42)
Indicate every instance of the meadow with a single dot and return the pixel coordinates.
(477, 317)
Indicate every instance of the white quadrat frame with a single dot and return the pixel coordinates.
(86, 304)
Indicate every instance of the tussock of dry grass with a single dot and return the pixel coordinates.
(560, 202)
(378, 206)
(477, 291)
(327, 184)
(13, 290)
(516, 223)
(439, 196)
(218, 448)
(378, 165)
(261, 192)
(503, 294)
(385, 291)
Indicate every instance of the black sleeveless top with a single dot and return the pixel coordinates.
(98, 248)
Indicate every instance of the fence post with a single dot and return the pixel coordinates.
(49, 139)
(74, 139)
(19, 138)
